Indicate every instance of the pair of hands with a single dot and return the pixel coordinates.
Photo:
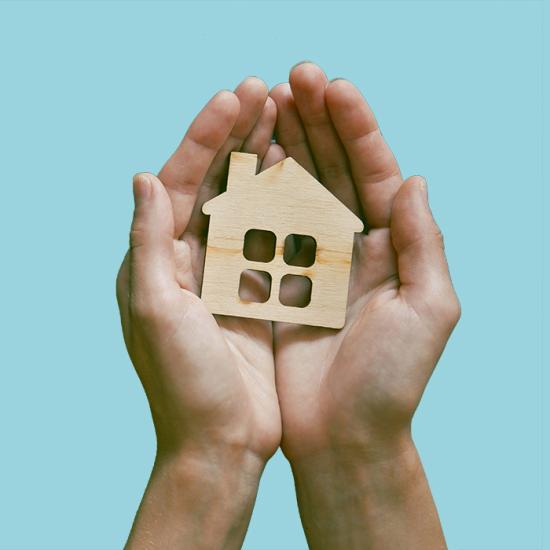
(226, 392)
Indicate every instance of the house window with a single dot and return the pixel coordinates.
(259, 245)
(295, 291)
(254, 286)
(300, 250)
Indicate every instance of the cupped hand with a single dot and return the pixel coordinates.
(209, 380)
(356, 389)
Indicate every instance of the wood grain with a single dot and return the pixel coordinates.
(284, 199)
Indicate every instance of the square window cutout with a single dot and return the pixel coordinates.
(295, 291)
(254, 286)
(259, 245)
(300, 250)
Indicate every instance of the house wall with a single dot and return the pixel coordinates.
(329, 274)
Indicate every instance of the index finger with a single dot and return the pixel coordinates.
(184, 171)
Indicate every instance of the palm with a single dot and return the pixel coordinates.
(369, 370)
(343, 371)
(216, 373)
(239, 354)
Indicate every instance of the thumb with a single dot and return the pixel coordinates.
(152, 264)
(422, 266)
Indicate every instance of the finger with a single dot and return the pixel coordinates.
(152, 265)
(296, 291)
(308, 83)
(422, 266)
(252, 95)
(254, 286)
(259, 139)
(289, 131)
(186, 168)
(274, 154)
(375, 171)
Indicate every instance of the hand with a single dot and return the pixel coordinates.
(347, 397)
(209, 381)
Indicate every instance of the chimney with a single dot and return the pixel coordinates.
(242, 168)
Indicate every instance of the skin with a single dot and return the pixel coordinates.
(348, 397)
(225, 392)
(209, 381)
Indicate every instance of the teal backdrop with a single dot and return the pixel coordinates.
(91, 93)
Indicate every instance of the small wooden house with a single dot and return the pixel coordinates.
(282, 202)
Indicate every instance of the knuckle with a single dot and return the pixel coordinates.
(450, 311)
(151, 308)
(121, 281)
(456, 312)
(398, 403)
(439, 238)
(332, 171)
(143, 308)
(137, 236)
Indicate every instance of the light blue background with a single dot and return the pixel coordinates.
(91, 93)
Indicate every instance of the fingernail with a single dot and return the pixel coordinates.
(300, 63)
(423, 187)
(337, 78)
(252, 78)
(221, 93)
(141, 188)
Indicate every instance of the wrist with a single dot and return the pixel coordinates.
(198, 497)
(347, 441)
(211, 466)
(201, 436)
(359, 466)
(366, 497)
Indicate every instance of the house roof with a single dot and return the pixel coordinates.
(294, 187)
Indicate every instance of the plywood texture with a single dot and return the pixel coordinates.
(284, 199)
